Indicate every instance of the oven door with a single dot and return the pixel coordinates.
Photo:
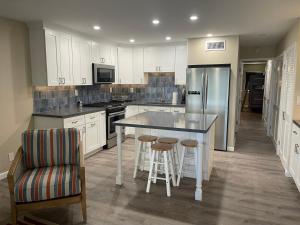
(103, 74)
(111, 128)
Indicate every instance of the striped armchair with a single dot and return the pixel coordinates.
(48, 171)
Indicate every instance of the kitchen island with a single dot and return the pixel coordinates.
(183, 126)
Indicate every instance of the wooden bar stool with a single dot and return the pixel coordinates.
(140, 155)
(165, 150)
(175, 156)
(186, 144)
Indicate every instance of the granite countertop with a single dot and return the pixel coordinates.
(69, 112)
(198, 123)
(297, 122)
(163, 104)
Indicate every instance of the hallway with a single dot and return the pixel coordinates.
(247, 187)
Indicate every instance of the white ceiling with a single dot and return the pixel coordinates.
(258, 22)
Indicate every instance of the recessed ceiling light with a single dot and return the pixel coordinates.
(168, 38)
(131, 40)
(209, 35)
(96, 27)
(155, 21)
(193, 17)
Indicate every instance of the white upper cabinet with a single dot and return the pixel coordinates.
(65, 60)
(125, 65)
(51, 42)
(102, 53)
(81, 61)
(159, 59)
(138, 65)
(180, 64)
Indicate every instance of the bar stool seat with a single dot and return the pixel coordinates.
(189, 143)
(142, 151)
(147, 138)
(167, 164)
(168, 140)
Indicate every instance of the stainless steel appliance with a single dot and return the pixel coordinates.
(115, 110)
(208, 90)
(103, 74)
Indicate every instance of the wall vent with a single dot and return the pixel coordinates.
(215, 45)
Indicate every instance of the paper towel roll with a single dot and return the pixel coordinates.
(174, 98)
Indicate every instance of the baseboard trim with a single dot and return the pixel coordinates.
(3, 175)
(230, 148)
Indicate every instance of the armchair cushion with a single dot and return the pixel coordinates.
(47, 183)
(52, 147)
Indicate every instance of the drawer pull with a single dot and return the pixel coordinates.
(296, 149)
(295, 132)
(74, 122)
(92, 117)
(93, 124)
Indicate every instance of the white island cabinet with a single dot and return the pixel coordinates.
(178, 125)
(294, 165)
(92, 127)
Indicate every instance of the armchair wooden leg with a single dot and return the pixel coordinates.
(83, 206)
(13, 214)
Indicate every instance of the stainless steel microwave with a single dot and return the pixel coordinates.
(103, 74)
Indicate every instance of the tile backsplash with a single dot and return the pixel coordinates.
(160, 86)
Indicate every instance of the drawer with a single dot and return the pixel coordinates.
(74, 121)
(92, 117)
(159, 109)
(178, 109)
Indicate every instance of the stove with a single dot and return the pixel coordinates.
(115, 110)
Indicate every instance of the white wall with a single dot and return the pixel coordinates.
(15, 87)
(198, 55)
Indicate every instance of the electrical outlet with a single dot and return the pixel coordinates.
(110, 90)
(11, 156)
(76, 92)
(131, 90)
(298, 100)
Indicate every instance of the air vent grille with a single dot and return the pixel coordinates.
(215, 45)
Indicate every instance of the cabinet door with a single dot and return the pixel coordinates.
(125, 65)
(86, 62)
(102, 129)
(178, 109)
(77, 80)
(65, 65)
(82, 137)
(92, 136)
(150, 59)
(95, 52)
(180, 65)
(105, 54)
(166, 61)
(295, 150)
(51, 41)
(138, 68)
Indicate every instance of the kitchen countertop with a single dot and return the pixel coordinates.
(197, 123)
(297, 122)
(69, 112)
(163, 104)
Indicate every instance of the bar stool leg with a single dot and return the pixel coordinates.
(150, 171)
(156, 167)
(166, 166)
(170, 156)
(137, 159)
(180, 165)
(176, 158)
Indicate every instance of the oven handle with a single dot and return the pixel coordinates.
(116, 113)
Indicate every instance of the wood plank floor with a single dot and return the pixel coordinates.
(247, 187)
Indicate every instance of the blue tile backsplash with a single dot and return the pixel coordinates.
(159, 87)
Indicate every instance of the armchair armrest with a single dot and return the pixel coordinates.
(16, 169)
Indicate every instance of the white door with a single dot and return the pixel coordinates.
(65, 64)
(102, 125)
(151, 55)
(77, 80)
(92, 136)
(51, 41)
(166, 61)
(125, 71)
(138, 65)
(86, 62)
(180, 64)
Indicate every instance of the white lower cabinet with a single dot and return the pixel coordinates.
(294, 164)
(92, 128)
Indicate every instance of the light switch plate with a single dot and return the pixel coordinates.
(76, 92)
(298, 100)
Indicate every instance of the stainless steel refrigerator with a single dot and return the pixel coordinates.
(207, 91)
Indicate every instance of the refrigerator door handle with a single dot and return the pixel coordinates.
(206, 89)
(203, 93)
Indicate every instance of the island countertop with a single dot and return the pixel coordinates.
(188, 122)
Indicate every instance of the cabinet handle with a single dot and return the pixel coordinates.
(296, 149)
(84, 80)
(92, 117)
(74, 122)
(295, 132)
(93, 124)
